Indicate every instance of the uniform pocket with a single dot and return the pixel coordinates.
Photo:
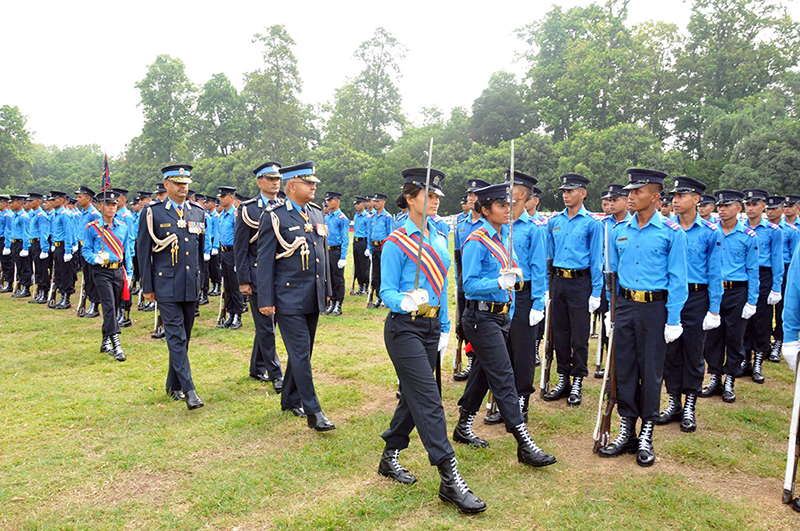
(163, 282)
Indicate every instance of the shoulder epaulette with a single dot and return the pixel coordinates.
(773, 225)
(672, 224)
(436, 218)
(793, 227)
(342, 216)
(316, 206)
(598, 216)
(249, 201)
(750, 232)
(711, 225)
(195, 204)
(274, 206)
(541, 222)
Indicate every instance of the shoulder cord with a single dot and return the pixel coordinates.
(158, 244)
(299, 243)
(250, 223)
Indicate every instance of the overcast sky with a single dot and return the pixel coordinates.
(71, 66)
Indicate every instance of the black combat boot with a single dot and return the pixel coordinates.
(758, 362)
(775, 353)
(92, 312)
(337, 308)
(453, 489)
(192, 400)
(464, 375)
(673, 413)
(713, 388)
(24, 293)
(528, 453)
(625, 443)
(574, 398)
(689, 424)
(329, 309)
(236, 322)
(747, 366)
(728, 394)
(62, 304)
(227, 322)
(105, 346)
(391, 468)
(463, 432)
(561, 389)
(116, 348)
(646, 455)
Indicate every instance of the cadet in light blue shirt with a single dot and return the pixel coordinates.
(361, 245)
(758, 332)
(39, 234)
(18, 244)
(791, 236)
(648, 255)
(575, 241)
(6, 262)
(724, 350)
(338, 242)
(381, 225)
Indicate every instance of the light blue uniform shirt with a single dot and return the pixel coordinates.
(5, 225)
(81, 218)
(652, 258)
(770, 250)
(62, 231)
(791, 236)
(481, 269)
(740, 258)
(791, 300)
(361, 225)
(704, 259)
(464, 228)
(381, 226)
(338, 230)
(40, 228)
(19, 229)
(93, 243)
(399, 218)
(577, 243)
(531, 249)
(398, 272)
(226, 223)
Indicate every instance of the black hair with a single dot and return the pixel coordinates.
(410, 190)
(401, 201)
(485, 203)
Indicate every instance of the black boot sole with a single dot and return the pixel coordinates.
(394, 478)
(758, 380)
(684, 429)
(676, 417)
(461, 440)
(465, 510)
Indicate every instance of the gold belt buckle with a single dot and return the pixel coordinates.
(639, 296)
(505, 309)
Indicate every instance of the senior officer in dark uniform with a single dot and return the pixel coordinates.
(264, 363)
(292, 284)
(169, 250)
(648, 253)
(338, 241)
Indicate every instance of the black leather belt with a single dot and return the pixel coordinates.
(15, 241)
(58, 244)
(698, 287)
(359, 239)
(226, 248)
(732, 284)
(642, 296)
(377, 243)
(521, 286)
(110, 265)
(764, 269)
(571, 273)
(489, 307)
(34, 240)
(334, 247)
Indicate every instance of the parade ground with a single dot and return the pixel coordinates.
(89, 443)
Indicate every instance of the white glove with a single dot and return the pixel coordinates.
(23, 253)
(75, 248)
(748, 311)
(98, 260)
(672, 332)
(790, 353)
(594, 304)
(546, 297)
(341, 263)
(68, 257)
(206, 257)
(444, 337)
(535, 317)
(409, 304)
(52, 248)
(367, 252)
(214, 252)
(6, 251)
(711, 321)
(507, 280)
(43, 255)
(774, 298)
(607, 323)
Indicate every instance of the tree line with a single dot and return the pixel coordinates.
(718, 102)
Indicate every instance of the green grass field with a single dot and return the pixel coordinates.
(89, 443)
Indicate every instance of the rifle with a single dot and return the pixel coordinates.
(51, 294)
(599, 360)
(15, 284)
(140, 304)
(608, 392)
(793, 454)
(369, 285)
(82, 298)
(353, 285)
(593, 331)
(549, 347)
(158, 324)
(222, 296)
(457, 363)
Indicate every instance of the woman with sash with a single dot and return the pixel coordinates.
(416, 329)
(489, 277)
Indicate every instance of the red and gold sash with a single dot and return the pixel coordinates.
(494, 245)
(116, 247)
(432, 265)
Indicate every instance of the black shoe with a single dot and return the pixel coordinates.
(337, 309)
(37, 299)
(197, 310)
(528, 453)
(319, 422)
(493, 418)
(126, 322)
(391, 468)
(149, 307)
(625, 443)
(689, 423)
(203, 300)
(227, 322)
(161, 334)
(758, 376)
(6, 288)
(24, 293)
(747, 367)
(464, 375)
(795, 504)
(646, 455)
(120, 315)
(116, 348)
(277, 385)
(574, 398)
(136, 290)
(214, 290)
(192, 400)
(775, 353)
(600, 374)
(561, 390)
(236, 322)
(92, 312)
(713, 388)
(728, 394)
(673, 413)
(260, 377)
(398, 394)
(453, 489)
(105, 346)
(176, 394)
(463, 432)
(329, 309)
(296, 411)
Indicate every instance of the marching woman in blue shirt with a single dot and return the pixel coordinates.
(489, 277)
(107, 250)
(416, 329)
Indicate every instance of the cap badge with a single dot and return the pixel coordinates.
(181, 171)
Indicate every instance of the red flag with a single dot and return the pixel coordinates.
(106, 176)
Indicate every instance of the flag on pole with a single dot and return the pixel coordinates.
(106, 177)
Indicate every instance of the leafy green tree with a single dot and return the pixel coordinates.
(15, 149)
(66, 169)
(768, 158)
(500, 112)
(222, 122)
